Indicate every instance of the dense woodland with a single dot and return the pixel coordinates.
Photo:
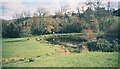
(99, 20)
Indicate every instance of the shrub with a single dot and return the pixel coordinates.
(106, 46)
(103, 45)
(92, 46)
(89, 35)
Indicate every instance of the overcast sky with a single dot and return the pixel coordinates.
(8, 8)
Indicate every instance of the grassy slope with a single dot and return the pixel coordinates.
(23, 48)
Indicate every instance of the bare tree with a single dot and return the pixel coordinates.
(41, 12)
(64, 9)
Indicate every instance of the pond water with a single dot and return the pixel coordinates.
(70, 42)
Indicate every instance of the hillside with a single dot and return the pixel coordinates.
(19, 52)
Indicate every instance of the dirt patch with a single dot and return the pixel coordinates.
(7, 60)
(84, 49)
(62, 50)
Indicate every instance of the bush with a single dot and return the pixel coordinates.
(92, 46)
(106, 46)
(103, 45)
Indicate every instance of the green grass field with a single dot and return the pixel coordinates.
(51, 56)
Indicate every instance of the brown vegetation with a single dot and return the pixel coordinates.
(84, 49)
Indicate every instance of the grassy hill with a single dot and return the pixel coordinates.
(35, 53)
